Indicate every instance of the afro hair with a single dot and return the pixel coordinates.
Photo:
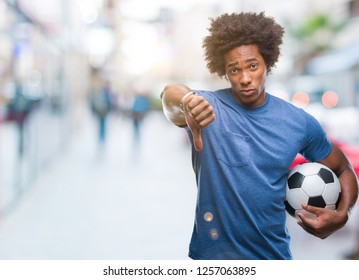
(229, 31)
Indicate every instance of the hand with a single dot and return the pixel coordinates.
(325, 221)
(198, 114)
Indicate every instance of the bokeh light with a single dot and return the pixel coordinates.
(301, 99)
(330, 99)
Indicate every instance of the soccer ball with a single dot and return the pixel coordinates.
(314, 184)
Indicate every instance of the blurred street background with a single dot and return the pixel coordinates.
(89, 166)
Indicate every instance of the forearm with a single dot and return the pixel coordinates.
(338, 162)
(171, 97)
(349, 195)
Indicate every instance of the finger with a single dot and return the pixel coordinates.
(307, 229)
(196, 131)
(313, 231)
(312, 209)
(203, 117)
(193, 125)
(201, 111)
(309, 222)
(307, 219)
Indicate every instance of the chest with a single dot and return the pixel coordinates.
(265, 140)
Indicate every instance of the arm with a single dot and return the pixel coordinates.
(327, 220)
(171, 97)
(197, 113)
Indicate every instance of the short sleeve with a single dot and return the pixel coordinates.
(317, 146)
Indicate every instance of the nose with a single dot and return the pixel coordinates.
(246, 78)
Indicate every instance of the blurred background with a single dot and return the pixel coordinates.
(89, 166)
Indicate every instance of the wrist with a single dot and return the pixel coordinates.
(184, 98)
(344, 215)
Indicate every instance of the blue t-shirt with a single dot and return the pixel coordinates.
(241, 174)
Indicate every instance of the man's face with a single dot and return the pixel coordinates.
(247, 72)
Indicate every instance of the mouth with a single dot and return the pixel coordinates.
(247, 92)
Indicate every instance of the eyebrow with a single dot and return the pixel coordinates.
(233, 64)
(252, 59)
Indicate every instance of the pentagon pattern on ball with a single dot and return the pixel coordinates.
(295, 181)
(326, 175)
(317, 201)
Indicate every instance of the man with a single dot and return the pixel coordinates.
(244, 140)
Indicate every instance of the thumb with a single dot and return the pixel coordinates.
(196, 132)
(197, 138)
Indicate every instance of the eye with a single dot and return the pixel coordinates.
(253, 66)
(233, 71)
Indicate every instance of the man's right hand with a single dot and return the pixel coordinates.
(198, 114)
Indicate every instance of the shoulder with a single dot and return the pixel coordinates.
(285, 107)
(283, 103)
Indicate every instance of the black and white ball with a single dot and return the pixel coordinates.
(314, 184)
